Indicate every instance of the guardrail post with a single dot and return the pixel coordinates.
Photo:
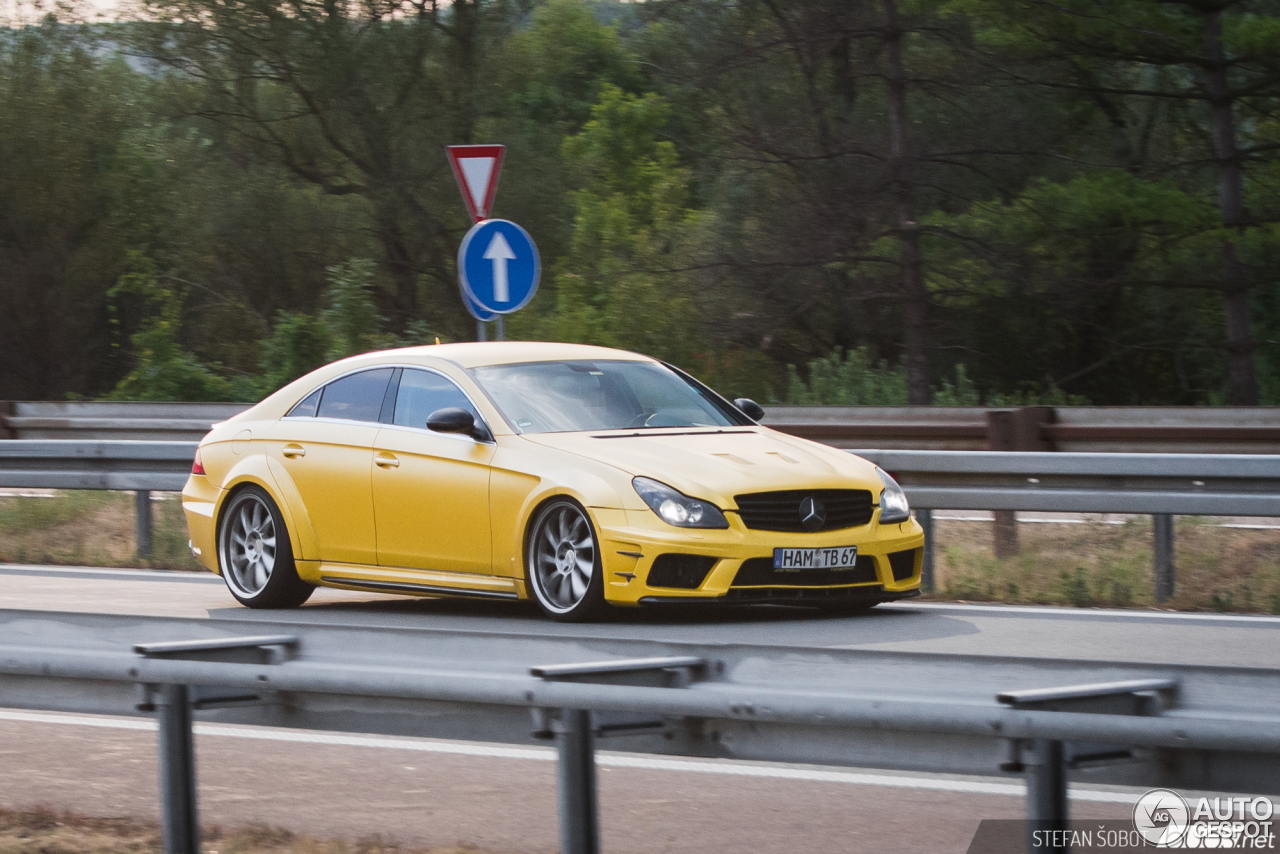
(925, 518)
(576, 781)
(576, 770)
(8, 409)
(180, 827)
(142, 527)
(1046, 777)
(1165, 569)
(1003, 435)
(173, 704)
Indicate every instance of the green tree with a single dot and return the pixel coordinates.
(298, 344)
(1204, 76)
(66, 206)
(163, 369)
(615, 285)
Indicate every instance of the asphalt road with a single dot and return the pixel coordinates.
(1158, 637)
(407, 790)
(502, 799)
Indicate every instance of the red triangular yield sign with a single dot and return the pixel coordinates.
(476, 167)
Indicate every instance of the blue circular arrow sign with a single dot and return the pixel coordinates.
(474, 310)
(498, 266)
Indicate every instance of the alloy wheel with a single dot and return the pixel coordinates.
(562, 557)
(249, 546)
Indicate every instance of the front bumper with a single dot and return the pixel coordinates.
(631, 542)
(870, 594)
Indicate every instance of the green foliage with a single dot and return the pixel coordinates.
(163, 369)
(629, 217)
(721, 184)
(1074, 587)
(857, 379)
(565, 59)
(351, 316)
(298, 344)
(852, 379)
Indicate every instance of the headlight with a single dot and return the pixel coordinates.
(676, 508)
(893, 501)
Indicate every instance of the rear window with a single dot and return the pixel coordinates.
(357, 397)
(307, 408)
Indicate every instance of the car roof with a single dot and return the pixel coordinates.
(482, 353)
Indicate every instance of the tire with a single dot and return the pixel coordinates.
(255, 556)
(567, 585)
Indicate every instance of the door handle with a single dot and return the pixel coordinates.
(386, 461)
(294, 451)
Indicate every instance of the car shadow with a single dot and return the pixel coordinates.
(756, 624)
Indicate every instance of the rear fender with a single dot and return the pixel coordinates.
(257, 469)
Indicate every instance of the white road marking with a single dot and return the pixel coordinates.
(1084, 613)
(723, 767)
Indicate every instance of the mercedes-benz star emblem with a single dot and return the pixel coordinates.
(813, 514)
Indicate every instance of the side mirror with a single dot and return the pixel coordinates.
(750, 408)
(452, 419)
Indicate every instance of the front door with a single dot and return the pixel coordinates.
(326, 447)
(431, 490)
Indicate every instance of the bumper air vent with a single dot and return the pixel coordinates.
(685, 572)
(903, 564)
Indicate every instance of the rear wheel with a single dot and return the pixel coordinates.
(562, 563)
(255, 555)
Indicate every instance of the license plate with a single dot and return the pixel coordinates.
(843, 557)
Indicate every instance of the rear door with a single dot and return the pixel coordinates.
(325, 445)
(431, 490)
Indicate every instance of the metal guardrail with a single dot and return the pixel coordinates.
(1071, 429)
(1183, 484)
(111, 420)
(1178, 484)
(1099, 429)
(124, 465)
(1184, 726)
(1162, 485)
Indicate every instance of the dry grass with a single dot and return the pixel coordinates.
(46, 831)
(1223, 569)
(1218, 569)
(90, 528)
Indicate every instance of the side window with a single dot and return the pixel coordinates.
(307, 407)
(357, 397)
(422, 393)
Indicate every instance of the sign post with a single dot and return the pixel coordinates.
(498, 263)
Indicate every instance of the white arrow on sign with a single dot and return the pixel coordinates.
(499, 252)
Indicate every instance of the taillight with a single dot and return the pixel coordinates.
(197, 467)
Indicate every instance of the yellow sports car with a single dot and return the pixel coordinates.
(576, 476)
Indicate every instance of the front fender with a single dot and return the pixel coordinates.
(514, 496)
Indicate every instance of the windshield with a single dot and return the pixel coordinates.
(561, 397)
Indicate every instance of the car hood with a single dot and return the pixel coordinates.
(718, 464)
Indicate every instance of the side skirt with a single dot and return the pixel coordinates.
(416, 589)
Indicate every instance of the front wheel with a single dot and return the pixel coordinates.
(562, 563)
(255, 555)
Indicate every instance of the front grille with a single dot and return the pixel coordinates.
(780, 511)
(903, 564)
(686, 572)
(759, 572)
